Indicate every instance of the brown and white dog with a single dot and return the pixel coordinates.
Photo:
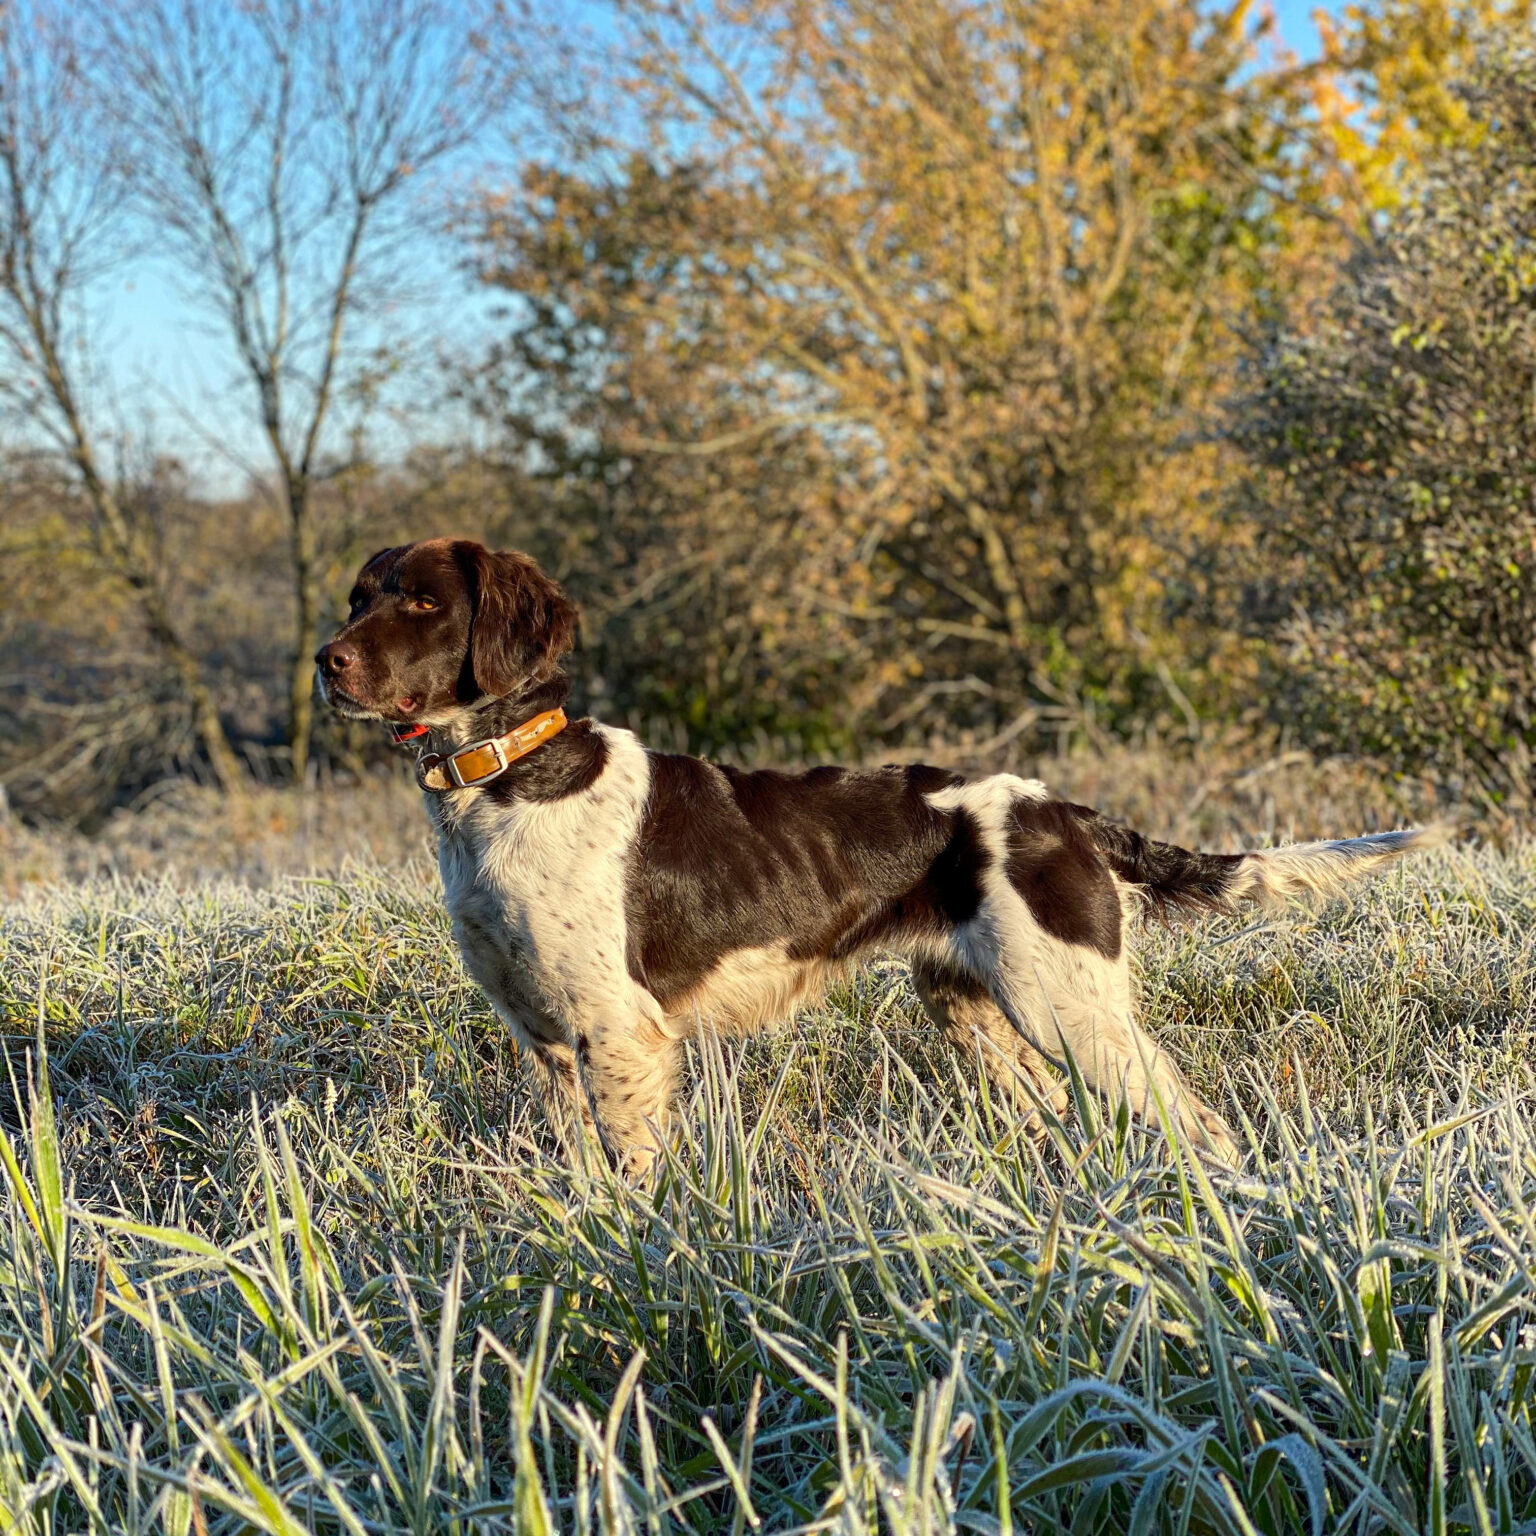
(610, 899)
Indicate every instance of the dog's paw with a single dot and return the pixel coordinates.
(1209, 1134)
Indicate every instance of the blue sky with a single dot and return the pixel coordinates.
(164, 362)
(1295, 21)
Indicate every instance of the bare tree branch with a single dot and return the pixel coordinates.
(60, 197)
(274, 144)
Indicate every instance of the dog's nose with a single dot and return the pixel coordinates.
(335, 658)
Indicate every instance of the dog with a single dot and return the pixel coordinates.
(610, 900)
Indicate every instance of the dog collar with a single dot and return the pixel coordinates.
(482, 761)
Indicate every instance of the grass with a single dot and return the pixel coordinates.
(283, 1246)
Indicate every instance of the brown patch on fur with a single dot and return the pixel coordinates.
(523, 622)
(1058, 870)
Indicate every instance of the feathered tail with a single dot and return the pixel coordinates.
(1171, 878)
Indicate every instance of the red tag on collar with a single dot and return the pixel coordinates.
(400, 734)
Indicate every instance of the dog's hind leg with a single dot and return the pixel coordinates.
(1047, 934)
(1065, 996)
(964, 1010)
(1075, 1000)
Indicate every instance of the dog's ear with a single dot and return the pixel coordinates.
(522, 625)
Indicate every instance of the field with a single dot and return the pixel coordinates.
(284, 1247)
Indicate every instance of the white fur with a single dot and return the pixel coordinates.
(536, 893)
(1273, 875)
(1064, 998)
(752, 988)
(537, 890)
(989, 800)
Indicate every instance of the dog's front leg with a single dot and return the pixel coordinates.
(627, 1075)
(562, 1094)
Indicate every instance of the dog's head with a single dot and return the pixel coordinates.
(438, 626)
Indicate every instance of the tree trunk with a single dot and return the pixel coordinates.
(999, 563)
(1080, 604)
(301, 681)
(205, 714)
(210, 729)
(40, 311)
(136, 570)
(996, 557)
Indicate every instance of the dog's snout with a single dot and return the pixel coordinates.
(335, 658)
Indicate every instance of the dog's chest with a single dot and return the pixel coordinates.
(536, 893)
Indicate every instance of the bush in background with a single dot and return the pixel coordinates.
(1393, 447)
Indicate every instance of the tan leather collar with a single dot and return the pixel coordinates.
(482, 761)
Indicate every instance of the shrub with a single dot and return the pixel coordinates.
(1393, 454)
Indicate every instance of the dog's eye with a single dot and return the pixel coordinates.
(421, 603)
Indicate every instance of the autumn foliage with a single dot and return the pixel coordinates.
(909, 319)
(878, 374)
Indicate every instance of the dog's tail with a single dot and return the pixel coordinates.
(1171, 878)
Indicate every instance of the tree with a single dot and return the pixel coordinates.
(1393, 449)
(967, 268)
(61, 188)
(1392, 70)
(274, 146)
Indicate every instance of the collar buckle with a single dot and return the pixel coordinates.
(492, 744)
